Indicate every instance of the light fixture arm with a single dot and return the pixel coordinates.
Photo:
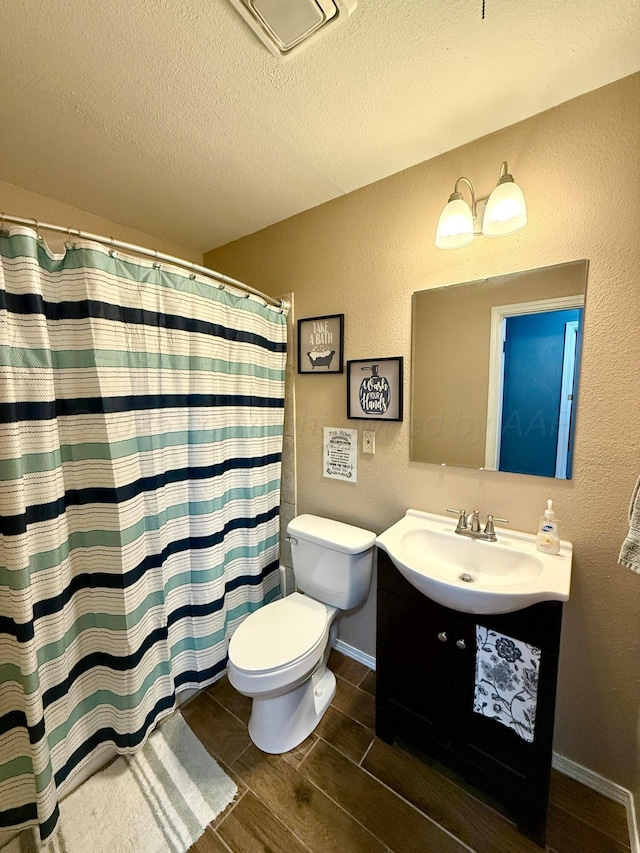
(456, 194)
(505, 177)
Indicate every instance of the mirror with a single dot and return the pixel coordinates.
(495, 371)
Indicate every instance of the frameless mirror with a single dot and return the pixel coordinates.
(495, 371)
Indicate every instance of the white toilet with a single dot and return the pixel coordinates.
(278, 655)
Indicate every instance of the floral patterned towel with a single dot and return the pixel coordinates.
(507, 681)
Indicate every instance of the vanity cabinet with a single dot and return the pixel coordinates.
(426, 685)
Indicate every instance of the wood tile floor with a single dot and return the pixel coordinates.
(345, 790)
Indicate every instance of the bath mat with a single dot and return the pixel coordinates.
(158, 800)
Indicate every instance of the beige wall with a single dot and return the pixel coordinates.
(364, 254)
(18, 202)
(451, 347)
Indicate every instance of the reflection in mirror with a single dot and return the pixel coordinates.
(495, 371)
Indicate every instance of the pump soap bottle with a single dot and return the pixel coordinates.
(547, 539)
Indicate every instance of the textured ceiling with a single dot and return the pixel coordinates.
(171, 117)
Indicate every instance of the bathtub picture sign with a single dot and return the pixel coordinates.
(321, 344)
(340, 457)
(374, 389)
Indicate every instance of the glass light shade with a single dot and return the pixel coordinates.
(455, 226)
(505, 211)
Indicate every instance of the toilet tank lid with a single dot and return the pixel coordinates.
(332, 534)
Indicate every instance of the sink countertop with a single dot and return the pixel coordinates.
(475, 575)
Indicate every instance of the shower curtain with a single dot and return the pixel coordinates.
(141, 414)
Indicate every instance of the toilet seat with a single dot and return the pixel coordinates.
(278, 634)
(278, 644)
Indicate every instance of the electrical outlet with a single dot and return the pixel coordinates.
(368, 441)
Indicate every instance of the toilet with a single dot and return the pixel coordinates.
(278, 655)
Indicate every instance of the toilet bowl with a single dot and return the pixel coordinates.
(278, 655)
(278, 659)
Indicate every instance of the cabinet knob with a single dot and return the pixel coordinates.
(461, 644)
(442, 636)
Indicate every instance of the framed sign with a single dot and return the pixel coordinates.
(374, 389)
(321, 344)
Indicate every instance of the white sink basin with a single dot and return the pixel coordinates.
(472, 575)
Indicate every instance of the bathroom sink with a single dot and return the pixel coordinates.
(473, 575)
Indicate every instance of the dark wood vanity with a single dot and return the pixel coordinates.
(426, 686)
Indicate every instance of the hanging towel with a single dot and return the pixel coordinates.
(630, 551)
(506, 688)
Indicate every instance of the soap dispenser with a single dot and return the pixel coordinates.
(375, 392)
(547, 539)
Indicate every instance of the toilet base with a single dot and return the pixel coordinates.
(280, 723)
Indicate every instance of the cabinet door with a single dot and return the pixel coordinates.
(487, 743)
(414, 659)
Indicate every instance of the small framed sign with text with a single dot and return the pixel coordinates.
(374, 389)
(340, 458)
(321, 344)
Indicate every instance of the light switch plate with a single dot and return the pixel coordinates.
(368, 441)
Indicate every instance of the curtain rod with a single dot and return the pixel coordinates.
(223, 280)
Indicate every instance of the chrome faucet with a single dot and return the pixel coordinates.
(469, 525)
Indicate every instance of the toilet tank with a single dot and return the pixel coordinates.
(332, 561)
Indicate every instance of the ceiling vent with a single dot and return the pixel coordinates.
(288, 26)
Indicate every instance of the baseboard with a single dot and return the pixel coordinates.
(362, 657)
(606, 787)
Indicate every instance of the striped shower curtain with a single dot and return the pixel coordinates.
(141, 414)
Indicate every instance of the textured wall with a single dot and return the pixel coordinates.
(365, 253)
(20, 202)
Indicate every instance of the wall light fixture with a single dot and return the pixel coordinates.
(504, 213)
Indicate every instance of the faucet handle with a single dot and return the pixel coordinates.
(489, 528)
(462, 518)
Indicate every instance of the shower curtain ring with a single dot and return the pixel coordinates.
(112, 251)
(38, 235)
(156, 264)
